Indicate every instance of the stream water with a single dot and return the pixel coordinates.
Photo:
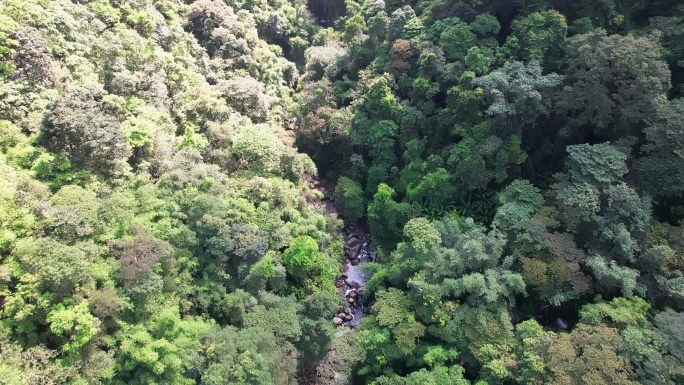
(354, 277)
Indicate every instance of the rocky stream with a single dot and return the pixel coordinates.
(353, 277)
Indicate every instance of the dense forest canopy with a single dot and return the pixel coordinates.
(184, 185)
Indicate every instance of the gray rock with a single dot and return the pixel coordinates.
(337, 321)
(354, 252)
(352, 242)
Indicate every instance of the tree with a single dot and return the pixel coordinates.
(138, 257)
(400, 54)
(37, 364)
(519, 201)
(7, 28)
(166, 348)
(257, 148)
(600, 164)
(455, 41)
(485, 25)
(608, 217)
(476, 328)
(381, 143)
(438, 375)
(328, 60)
(308, 265)
(142, 127)
(393, 311)
(74, 321)
(659, 172)
(541, 36)
(246, 95)
(32, 56)
(386, 217)
(649, 350)
(420, 241)
(434, 191)
(216, 26)
(398, 19)
(613, 82)
(590, 192)
(302, 255)
(349, 198)
(45, 273)
(518, 95)
(80, 127)
(479, 60)
(73, 213)
(431, 62)
(318, 333)
(58, 268)
(587, 355)
(248, 356)
(668, 330)
(378, 103)
(391, 332)
(619, 312)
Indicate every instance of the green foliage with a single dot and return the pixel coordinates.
(302, 255)
(614, 82)
(165, 350)
(613, 276)
(80, 126)
(518, 202)
(150, 191)
(349, 198)
(522, 192)
(659, 172)
(75, 321)
(386, 217)
(256, 147)
(74, 213)
(485, 25)
(479, 60)
(7, 28)
(141, 128)
(599, 165)
(435, 191)
(57, 268)
(455, 40)
(234, 357)
(541, 36)
(620, 312)
(313, 269)
(610, 217)
(518, 95)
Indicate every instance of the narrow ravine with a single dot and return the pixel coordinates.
(353, 278)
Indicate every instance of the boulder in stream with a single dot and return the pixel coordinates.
(353, 242)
